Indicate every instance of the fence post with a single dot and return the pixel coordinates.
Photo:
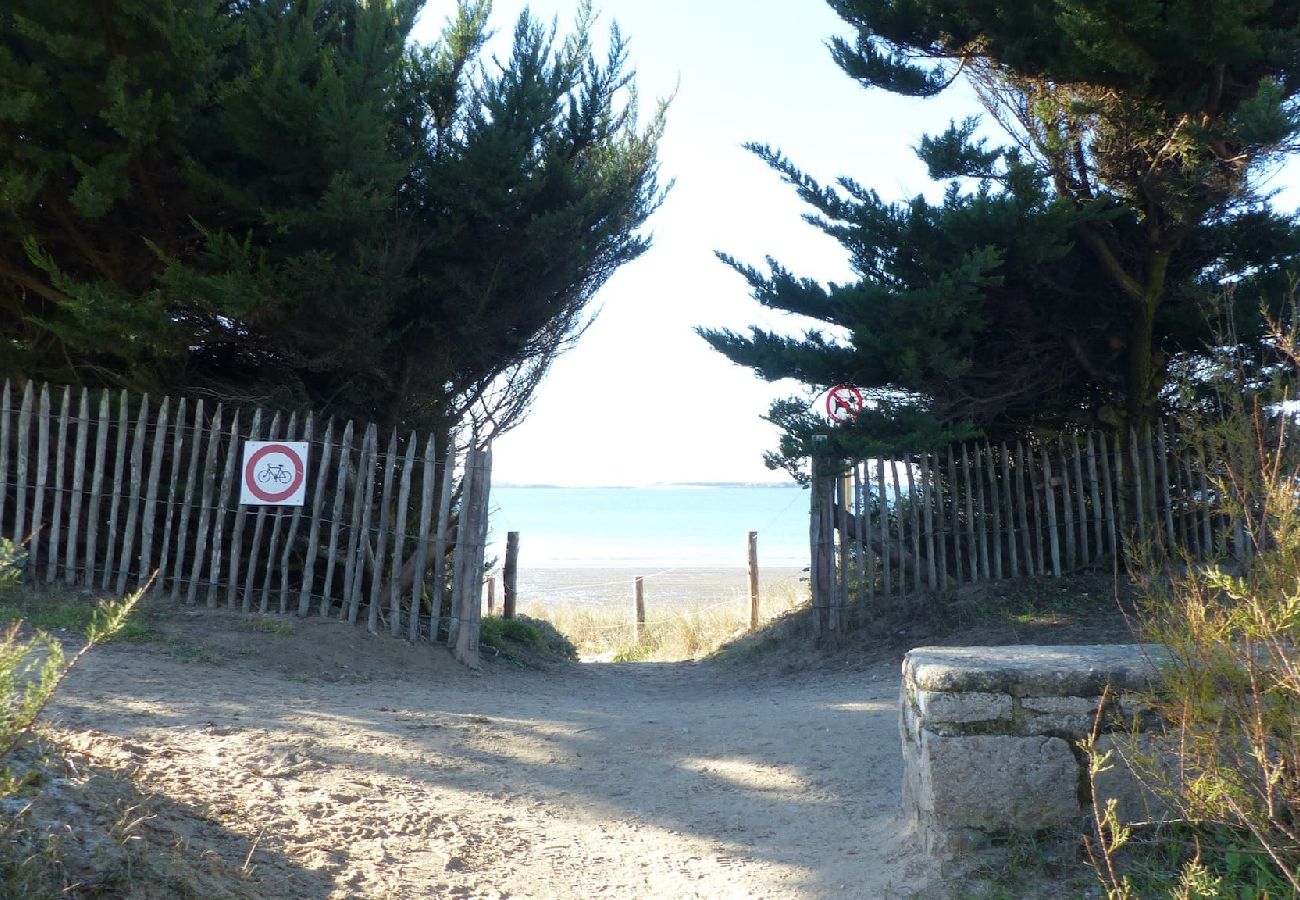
(638, 608)
(492, 595)
(821, 538)
(508, 574)
(474, 504)
(753, 580)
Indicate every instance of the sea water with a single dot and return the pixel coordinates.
(689, 542)
(704, 526)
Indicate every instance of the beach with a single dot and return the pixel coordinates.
(675, 588)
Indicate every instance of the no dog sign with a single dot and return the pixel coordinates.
(274, 473)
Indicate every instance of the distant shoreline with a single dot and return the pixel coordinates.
(652, 487)
(675, 586)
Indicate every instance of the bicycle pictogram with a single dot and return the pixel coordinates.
(277, 472)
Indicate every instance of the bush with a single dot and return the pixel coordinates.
(507, 636)
(1231, 694)
(32, 667)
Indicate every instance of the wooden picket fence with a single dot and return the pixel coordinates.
(109, 488)
(977, 512)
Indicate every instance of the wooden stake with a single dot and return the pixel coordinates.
(362, 494)
(1139, 501)
(955, 519)
(886, 560)
(128, 561)
(1207, 526)
(78, 477)
(151, 491)
(859, 529)
(172, 488)
(972, 546)
(914, 502)
(1080, 502)
(1191, 528)
(237, 530)
(428, 482)
(4, 446)
(995, 504)
(842, 523)
(399, 539)
(1067, 514)
(42, 474)
(313, 531)
(1027, 539)
(1095, 493)
(228, 493)
(465, 648)
(208, 477)
(365, 474)
(752, 557)
(56, 523)
(336, 522)
(899, 529)
(638, 609)
(441, 536)
(96, 487)
(1166, 496)
(273, 548)
(1009, 512)
(1150, 487)
(981, 509)
(22, 455)
(509, 574)
(1038, 502)
(928, 487)
(1108, 499)
(119, 464)
(1049, 501)
(192, 474)
(255, 548)
(381, 544)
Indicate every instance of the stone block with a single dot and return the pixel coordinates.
(992, 782)
(936, 706)
(1069, 715)
(1032, 671)
(1137, 764)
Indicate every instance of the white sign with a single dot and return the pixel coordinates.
(275, 473)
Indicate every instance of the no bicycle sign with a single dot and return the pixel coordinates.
(274, 473)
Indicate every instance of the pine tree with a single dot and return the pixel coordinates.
(290, 203)
(1137, 130)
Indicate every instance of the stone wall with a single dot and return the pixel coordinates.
(990, 738)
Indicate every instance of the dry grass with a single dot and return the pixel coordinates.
(604, 632)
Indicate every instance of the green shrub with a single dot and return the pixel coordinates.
(507, 636)
(32, 667)
(1231, 693)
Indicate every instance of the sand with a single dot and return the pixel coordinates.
(668, 587)
(331, 764)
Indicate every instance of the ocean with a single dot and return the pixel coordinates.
(585, 545)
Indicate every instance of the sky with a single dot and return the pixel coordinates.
(642, 399)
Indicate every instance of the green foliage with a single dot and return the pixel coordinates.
(508, 636)
(292, 202)
(32, 667)
(29, 673)
(1231, 694)
(1061, 282)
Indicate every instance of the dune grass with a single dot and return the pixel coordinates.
(605, 632)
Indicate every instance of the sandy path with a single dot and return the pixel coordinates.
(637, 780)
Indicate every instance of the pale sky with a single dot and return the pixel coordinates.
(642, 399)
